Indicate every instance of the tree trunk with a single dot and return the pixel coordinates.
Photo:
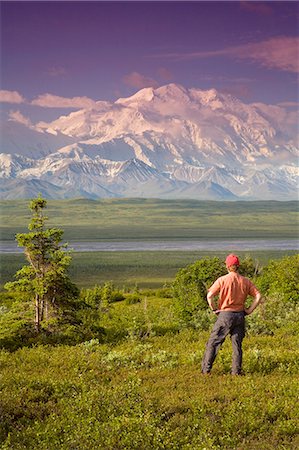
(41, 310)
(47, 310)
(37, 313)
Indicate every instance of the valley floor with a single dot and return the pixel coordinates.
(147, 269)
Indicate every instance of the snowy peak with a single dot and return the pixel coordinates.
(144, 95)
(217, 118)
(172, 91)
(166, 93)
(11, 165)
(166, 142)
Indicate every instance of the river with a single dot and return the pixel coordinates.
(175, 245)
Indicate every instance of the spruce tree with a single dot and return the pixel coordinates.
(45, 277)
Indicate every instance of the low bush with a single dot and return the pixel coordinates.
(191, 284)
(280, 278)
(165, 292)
(132, 299)
(116, 296)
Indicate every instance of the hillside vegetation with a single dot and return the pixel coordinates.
(123, 372)
(158, 219)
(138, 386)
(111, 367)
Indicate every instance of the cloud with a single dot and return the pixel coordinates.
(56, 71)
(17, 116)
(256, 7)
(275, 53)
(54, 101)
(289, 104)
(139, 81)
(11, 97)
(237, 90)
(225, 79)
(279, 53)
(165, 74)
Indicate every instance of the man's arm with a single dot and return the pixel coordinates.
(210, 298)
(256, 301)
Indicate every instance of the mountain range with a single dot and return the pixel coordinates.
(169, 142)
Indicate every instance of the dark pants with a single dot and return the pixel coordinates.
(227, 322)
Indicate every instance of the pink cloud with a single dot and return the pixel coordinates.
(238, 90)
(165, 74)
(289, 104)
(216, 78)
(256, 7)
(139, 81)
(279, 53)
(11, 97)
(54, 101)
(17, 116)
(276, 53)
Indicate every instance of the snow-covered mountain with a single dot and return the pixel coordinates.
(169, 142)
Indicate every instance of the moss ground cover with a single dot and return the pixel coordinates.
(139, 387)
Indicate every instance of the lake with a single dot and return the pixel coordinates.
(175, 245)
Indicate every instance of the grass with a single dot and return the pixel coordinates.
(157, 219)
(145, 391)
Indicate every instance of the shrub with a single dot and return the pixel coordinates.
(190, 288)
(98, 295)
(165, 292)
(273, 314)
(280, 279)
(116, 296)
(92, 297)
(191, 285)
(132, 299)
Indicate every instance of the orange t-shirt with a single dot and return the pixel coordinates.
(233, 290)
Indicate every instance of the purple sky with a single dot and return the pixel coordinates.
(78, 52)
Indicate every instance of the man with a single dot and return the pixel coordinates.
(233, 290)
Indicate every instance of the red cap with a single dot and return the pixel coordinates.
(232, 260)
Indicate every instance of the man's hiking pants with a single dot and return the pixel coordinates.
(228, 322)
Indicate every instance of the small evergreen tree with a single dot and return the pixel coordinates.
(107, 293)
(45, 278)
